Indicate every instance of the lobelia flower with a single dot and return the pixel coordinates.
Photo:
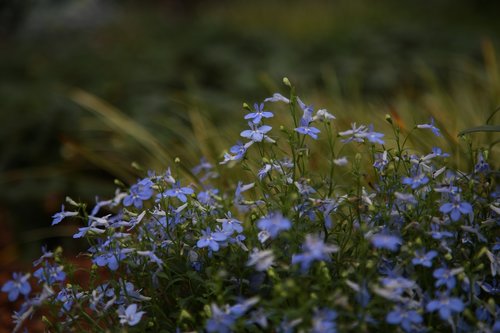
(130, 316)
(139, 192)
(210, 239)
(50, 274)
(385, 241)
(374, 137)
(431, 126)
(262, 260)
(306, 130)
(314, 249)
(324, 321)
(323, 115)
(230, 224)
(446, 277)
(404, 317)
(424, 259)
(58, 217)
(256, 134)
(481, 166)
(277, 98)
(221, 321)
(445, 305)
(178, 192)
(416, 181)
(18, 285)
(456, 208)
(258, 114)
(274, 223)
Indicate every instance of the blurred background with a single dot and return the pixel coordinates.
(87, 87)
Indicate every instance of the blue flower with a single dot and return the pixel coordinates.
(256, 134)
(210, 239)
(111, 258)
(404, 317)
(230, 224)
(179, 192)
(445, 305)
(445, 277)
(222, 320)
(274, 223)
(277, 98)
(424, 259)
(258, 114)
(481, 166)
(431, 126)
(374, 137)
(50, 274)
(416, 181)
(58, 217)
(456, 208)
(385, 241)
(262, 260)
(438, 152)
(18, 285)
(306, 130)
(314, 249)
(130, 316)
(139, 192)
(324, 321)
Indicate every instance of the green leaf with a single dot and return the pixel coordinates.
(484, 128)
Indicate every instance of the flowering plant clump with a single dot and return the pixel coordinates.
(292, 248)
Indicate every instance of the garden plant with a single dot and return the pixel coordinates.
(299, 227)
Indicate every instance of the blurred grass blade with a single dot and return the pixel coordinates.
(492, 115)
(484, 128)
(122, 123)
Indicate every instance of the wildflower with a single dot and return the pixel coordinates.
(385, 241)
(424, 259)
(18, 285)
(58, 217)
(178, 192)
(274, 223)
(314, 249)
(445, 305)
(456, 208)
(438, 152)
(324, 321)
(341, 161)
(258, 114)
(262, 260)
(139, 192)
(445, 276)
(416, 181)
(404, 317)
(50, 274)
(111, 258)
(221, 320)
(130, 316)
(481, 166)
(230, 224)
(374, 137)
(264, 171)
(355, 133)
(210, 239)
(323, 115)
(306, 130)
(431, 126)
(381, 161)
(256, 134)
(277, 98)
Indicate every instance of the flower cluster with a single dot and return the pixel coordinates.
(413, 249)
